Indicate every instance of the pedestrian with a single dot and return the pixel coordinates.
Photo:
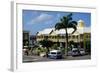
(26, 52)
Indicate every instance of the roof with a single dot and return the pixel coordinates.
(62, 31)
(55, 51)
(81, 21)
(45, 31)
(80, 30)
(87, 30)
(48, 31)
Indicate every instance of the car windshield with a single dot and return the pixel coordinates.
(58, 52)
(53, 53)
(75, 51)
(81, 49)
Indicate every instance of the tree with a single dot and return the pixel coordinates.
(66, 22)
(88, 46)
(46, 43)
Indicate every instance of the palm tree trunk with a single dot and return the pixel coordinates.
(66, 43)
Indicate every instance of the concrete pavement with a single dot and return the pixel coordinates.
(43, 59)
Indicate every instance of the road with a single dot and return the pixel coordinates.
(30, 59)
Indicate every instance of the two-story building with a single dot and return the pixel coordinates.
(81, 35)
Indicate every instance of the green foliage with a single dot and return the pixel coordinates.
(88, 46)
(54, 46)
(46, 43)
(71, 43)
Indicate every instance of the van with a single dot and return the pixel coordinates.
(55, 54)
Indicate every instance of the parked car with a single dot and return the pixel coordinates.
(75, 52)
(82, 51)
(55, 54)
(69, 53)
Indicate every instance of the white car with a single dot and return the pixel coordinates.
(55, 54)
(82, 52)
(75, 52)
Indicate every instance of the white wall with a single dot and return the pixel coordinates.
(5, 35)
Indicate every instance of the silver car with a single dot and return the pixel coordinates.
(55, 54)
(82, 52)
(75, 52)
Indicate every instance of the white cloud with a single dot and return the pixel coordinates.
(42, 18)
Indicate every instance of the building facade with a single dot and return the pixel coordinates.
(81, 35)
(25, 39)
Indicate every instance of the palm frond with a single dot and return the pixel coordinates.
(69, 15)
(72, 24)
(59, 26)
(75, 28)
(66, 22)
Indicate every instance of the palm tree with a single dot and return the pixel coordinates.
(66, 22)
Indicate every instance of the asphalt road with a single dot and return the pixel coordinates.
(27, 59)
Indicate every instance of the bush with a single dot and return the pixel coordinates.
(88, 46)
(55, 46)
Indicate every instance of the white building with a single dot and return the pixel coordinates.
(81, 34)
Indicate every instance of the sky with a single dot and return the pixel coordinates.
(35, 21)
